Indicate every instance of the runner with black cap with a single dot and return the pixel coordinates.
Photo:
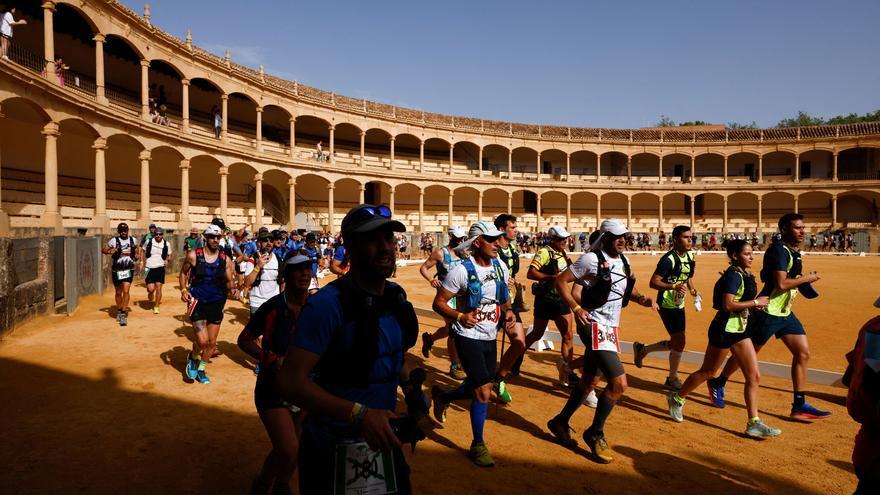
(123, 251)
(275, 323)
(480, 284)
(345, 364)
(263, 280)
(445, 259)
(608, 286)
(157, 253)
(205, 279)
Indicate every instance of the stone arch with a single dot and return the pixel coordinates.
(553, 208)
(613, 163)
(778, 165)
(311, 200)
(311, 130)
(436, 155)
(708, 165)
(165, 88)
(774, 205)
(676, 167)
(525, 162)
(645, 210)
(275, 123)
(466, 154)
(553, 162)
(241, 118)
(204, 97)
(464, 211)
(276, 196)
(743, 164)
(377, 147)
(676, 210)
(859, 163)
(495, 158)
(858, 208)
(742, 212)
(584, 162)
(646, 166)
(708, 212)
(406, 151)
(122, 72)
(817, 164)
(347, 143)
(583, 210)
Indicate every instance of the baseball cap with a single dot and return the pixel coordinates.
(297, 259)
(282, 229)
(365, 218)
(558, 232)
(152, 226)
(311, 237)
(160, 231)
(219, 223)
(194, 230)
(457, 231)
(122, 227)
(611, 226)
(212, 230)
(276, 234)
(480, 229)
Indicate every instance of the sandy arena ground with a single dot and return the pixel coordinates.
(90, 407)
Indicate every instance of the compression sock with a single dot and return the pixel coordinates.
(478, 418)
(202, 364)
(603, 410)
(674, 361)
(462, 392)
(799, 399)
(575, 399)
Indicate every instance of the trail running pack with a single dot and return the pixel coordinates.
(597, 295)
(474, 291)
(149, 247)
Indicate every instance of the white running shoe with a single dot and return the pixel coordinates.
(591, 400)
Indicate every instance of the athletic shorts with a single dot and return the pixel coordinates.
(606, 362)
(265, 397)
(478, 359)
(762, 326)
(119, 281)
(549, 308)
(155, 275)
(673, 319)
(212, 312)
(721, 339)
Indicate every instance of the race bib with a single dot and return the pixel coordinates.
(604, 338)
(362, 471)
(488, 312)
(123, 274)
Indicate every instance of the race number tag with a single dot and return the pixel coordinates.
(605, 338)
(362, 471)
(123, 274)
(488, 312)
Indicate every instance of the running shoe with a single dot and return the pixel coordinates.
(123, 319)
(672, 383)
(806, 411)
(675, 407)
(716, 394)
(456, 372)
(591, 400)
(639, 354)
(563, 370)
(427, 343)
(561, 432)
(202, 377)
(439, 405)
(599, 448)
(156, 309)
(192, 367)
(257, 369)
(479, 454)
(757, 429)
(503, 394)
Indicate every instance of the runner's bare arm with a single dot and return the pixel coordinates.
(259, 261)
(185, 268)
(690, 285)
(230, 281)
(534, 274)
(732, 306)
(247, 342)
(429, 263)
(642, 299)
(336, 267)
(441, 307)
(785, 283)
(657, 283)
(564, 278)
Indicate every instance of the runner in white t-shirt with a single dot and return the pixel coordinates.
(123, 250)
(608, 285)
(482, 306)
(263, 280)
(157, 252)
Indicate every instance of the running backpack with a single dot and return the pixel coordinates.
(149, 247)
(260, 273)
(747, 286)
(677, 267)
(597, 295)
(201, 271)
(474, 290)
(133, 253)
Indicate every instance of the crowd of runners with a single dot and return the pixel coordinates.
(330, 361)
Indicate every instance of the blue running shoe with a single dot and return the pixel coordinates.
(716, 394)
(257, 369)
(806, 411)
(202, 377)
(192, 368)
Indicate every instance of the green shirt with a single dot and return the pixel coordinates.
(666, 268)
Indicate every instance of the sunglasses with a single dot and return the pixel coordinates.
(378, 211)
(210, 237)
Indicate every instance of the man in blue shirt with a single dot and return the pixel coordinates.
(311, 250)
(345, 364)
(339, 263)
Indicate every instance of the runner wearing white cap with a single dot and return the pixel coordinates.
(445, 259)
(608, 286)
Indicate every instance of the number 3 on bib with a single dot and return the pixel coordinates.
(604, 338)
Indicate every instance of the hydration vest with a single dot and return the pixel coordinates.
(547, 288)
(677, 268)
(447, 264)
(510, 256)
(352, 367)
(260, 273)
(470, 300)
(200, 275)
(597, 295)
(149, 247)
(118, 254)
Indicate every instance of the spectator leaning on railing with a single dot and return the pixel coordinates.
(6, 24)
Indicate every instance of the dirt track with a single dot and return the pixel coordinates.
(93, 408)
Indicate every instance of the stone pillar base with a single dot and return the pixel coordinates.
(144, 222)
(52, 221)
(102, 223)
(4, 224)
(184, 224)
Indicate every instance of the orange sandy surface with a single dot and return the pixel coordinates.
(90, 407)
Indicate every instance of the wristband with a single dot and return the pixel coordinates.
(458, 318)
(576, 308)
(256, 269)
(756, 302)
(357, 413)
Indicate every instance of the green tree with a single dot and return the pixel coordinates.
(665, 122)
(803, 119)
(737, 125)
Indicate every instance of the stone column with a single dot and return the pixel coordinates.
(362, 189)
(293, 137)
(568, 213)
(391, 199)
(184, 222)
(567, 167)
(796, 201)
(510, 203)
(509, 163)
(760, 168)
(291, 204)
(4, 218)
(421, 156)
(100, 221)
(258, 206)
(629, 211)
(259, 142)
(145, 188)
(479, 206)
(724, 216)
(391, 158)
(223, 172)
(224, 117)
(693, 212)
(332, 129)
(99, 69)
(760, 228)
(725, 169)
(834, 174)
(797, 167)
(660, 171)
(833, 211)
(184, 121)
(330, 209)
(539, 223)
(145, 90)
(49, 38)
(660, 215)
(451, 151)
(480, 161)
(538, 166)
(598, 211)
(421, 210)
(363, 147)
(629, 169)
(693, 169)
(449, 212)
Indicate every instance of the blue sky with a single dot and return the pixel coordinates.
(578, 63)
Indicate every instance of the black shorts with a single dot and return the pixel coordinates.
(550, 308)
(607, 362)
(478, 359)
(155, 275)
(119, 281)
(762, 326)
(265, 397)
(722, 339)
(212, 312)
(673, 319)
